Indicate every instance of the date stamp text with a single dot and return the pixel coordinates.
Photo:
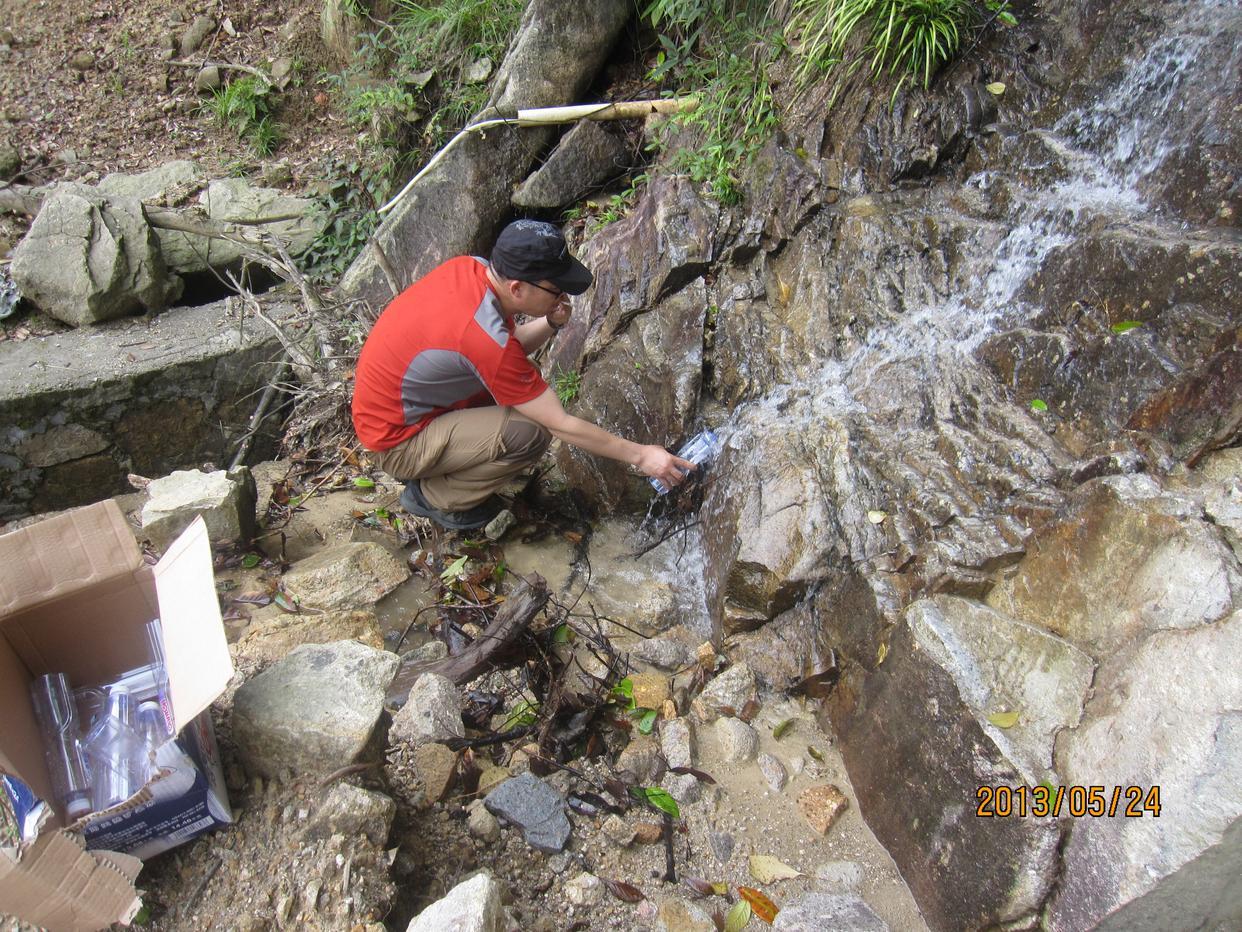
(1077, 801)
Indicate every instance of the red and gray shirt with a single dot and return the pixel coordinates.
(442, 344)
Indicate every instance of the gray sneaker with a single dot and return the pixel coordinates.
(413, 501)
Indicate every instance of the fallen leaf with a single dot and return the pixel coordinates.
(816, 753)
(624, 891)
(1125, 326)
(767, 869)
(738, 917)
(876, 517)
(697, 774)
(362, 482)
(1038, 404)
(454, 569)
(881, 654)
(1003, 719)
(647, 722)
(254, 598)
(572, 536)
(251, 560)
(749, 710)
(286, 604)
(996, 87)
(764, 908)
(781, 728)
(699, 887)
(657, 798)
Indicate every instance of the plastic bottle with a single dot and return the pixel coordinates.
(58, 721)
(116, 752)
(153, 733)
(700, 450)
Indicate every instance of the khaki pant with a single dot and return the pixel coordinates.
(464, 456)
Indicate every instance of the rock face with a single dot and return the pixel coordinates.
(269, 639)
(313, 711)
(553, 60)
(586, 157)
(90, 258)
(347, 576)
(473, 905)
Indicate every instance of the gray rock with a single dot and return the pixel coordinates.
(727, 694)
(774, 773)
(195, 35)
(499, 525)
(641, 759)
(840, 875)
(535, 808)
(721, 844)
(1166, 717)
(683, 787)
(665, 653)
(480, 823)
(432, 712)
(273, 633)
(618, 831)
(738, 741)
(435, 766)
(312, 711)
(225, 501)
(89, 258)
(587, 157)
(584, 890)
(677, 742)
(282, 72)
(208, 80)
(352, 575)
(474, 905)
(478, 71)
(815, 912)
(352, 811)
(426, 653)
(1002, 665)
(160, 185)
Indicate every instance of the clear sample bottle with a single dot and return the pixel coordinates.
(115, 751)
(57, 716)
(700, 449)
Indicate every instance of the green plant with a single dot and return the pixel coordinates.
(566, 385)
(246, 107)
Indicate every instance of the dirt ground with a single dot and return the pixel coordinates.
(88, 88)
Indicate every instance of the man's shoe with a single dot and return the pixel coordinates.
(413, 501)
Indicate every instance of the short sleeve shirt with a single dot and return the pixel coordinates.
(441, 345)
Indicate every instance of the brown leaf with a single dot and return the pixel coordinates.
(254, 598)
(764, 908)
(749, 711)
(235, 613)
(697, 774)
(572, 536)
(702, 888)
(624, 891)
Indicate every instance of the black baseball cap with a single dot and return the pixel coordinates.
(531, 251)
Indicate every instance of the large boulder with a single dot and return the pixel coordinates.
(90, 257)
(461, 204)
(225, 500)
(586, 158)
(346, 576)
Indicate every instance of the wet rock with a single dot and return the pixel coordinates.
(584, 890)
(436, 766)
(1127, 558)
(225, 501)
(426, 653)
(774, 773)
(587, 157)
(821, 806)
(89, 258)
(1000, 666)
(352, 575)
(738, 741)
(480, 823)
(352, 811)
(273, 637)
(313, 711)
(676, 915)
(1165, 717)
(665, 653)
(475, 905)
(195, 35)
(727, 694)
(499, 525)
(535, 808)
(677, 742)
(432, 712)
(813, 912)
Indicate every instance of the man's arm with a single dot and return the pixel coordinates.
(651, 460)
(533, 334)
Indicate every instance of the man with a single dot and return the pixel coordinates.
(445, 397)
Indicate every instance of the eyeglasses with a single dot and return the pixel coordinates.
(555, 292)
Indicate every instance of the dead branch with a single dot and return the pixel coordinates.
(514, 616)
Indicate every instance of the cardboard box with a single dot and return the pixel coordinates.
(75, 594)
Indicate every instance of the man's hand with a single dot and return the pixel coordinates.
(559, 316)
(658, 463)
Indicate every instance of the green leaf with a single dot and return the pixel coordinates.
(781, 728)
(251, 560)
(1038, 404)
(738, 917)
(1007, 18)
(1003, 719)
(647, 722)
(454, 569)
(657, 798)
(996, 87)
(561, 635)
(1125, 326)
(524, 713)
(362, 482)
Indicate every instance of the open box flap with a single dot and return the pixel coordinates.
(196, 651)
(70, 551)
(62, 887)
